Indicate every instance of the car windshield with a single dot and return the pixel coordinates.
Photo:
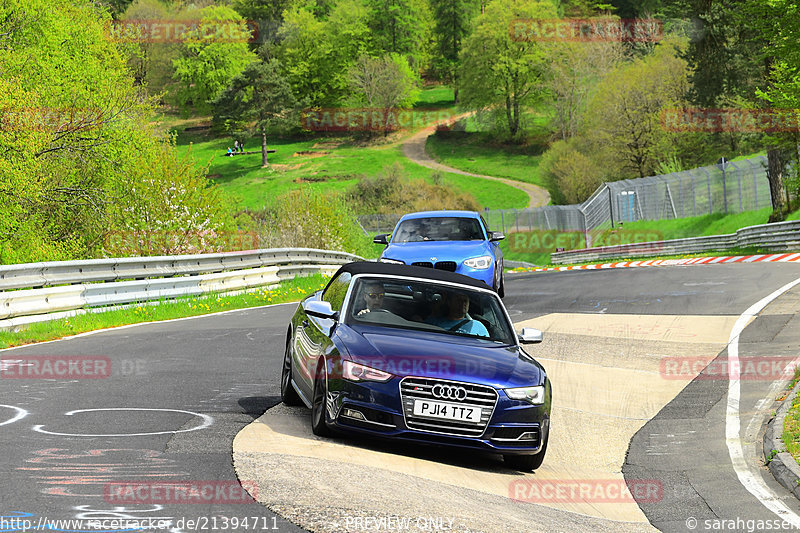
(438, 229)
(417, 305)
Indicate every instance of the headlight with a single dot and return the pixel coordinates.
(355, 372)
(391, 261)
(532, 395)
(480, 263)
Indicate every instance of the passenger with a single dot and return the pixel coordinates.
(456, 317)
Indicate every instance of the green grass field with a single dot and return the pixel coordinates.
(323, 162)
(714, 224)
(474, 151)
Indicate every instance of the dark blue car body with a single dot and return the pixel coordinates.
(454, 253)
(414, 364)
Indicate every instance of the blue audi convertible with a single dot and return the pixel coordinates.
(455, 241)
(421, 355)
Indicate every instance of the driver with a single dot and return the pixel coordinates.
(456, 318)
(372, 291)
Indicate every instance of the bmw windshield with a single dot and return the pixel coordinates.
(418, 305)
(438, 229)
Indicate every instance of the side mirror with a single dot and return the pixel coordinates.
(495, 236)
(381, 239)
(530, 336)
(320, 309)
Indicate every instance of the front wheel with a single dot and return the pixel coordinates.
(319, 404)
(499, 284)
(289, 396)
(501, 291)
(526, 463)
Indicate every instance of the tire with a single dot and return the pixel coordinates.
(501, 291)
(289, 396)
(318, 405)
(525, 463)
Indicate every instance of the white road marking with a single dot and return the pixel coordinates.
(207, 421)
(751, 480)
(21, 413)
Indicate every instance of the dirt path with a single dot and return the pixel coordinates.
(414, 149)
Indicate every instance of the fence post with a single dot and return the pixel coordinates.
(724, 190)
(502, 221)
(610, 207)
(739, 180)
(755, 185)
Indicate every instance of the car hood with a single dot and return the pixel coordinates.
(441, 250)
(435, 355)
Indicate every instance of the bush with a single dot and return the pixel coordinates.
(571, 172)
(308, 219)
(392, 192)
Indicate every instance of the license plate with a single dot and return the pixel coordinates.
(448, 411)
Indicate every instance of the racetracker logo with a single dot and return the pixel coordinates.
(742, 368)
(147, 242)
(179, 492)
(713, 120)
(55, 367)
(586, 490)
(403, 365)
(373, 119)
(555, 240)
(586, 30)
(177, 31)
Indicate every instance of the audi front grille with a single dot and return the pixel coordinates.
(463, 394)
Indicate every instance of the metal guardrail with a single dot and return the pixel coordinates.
(775, 237)
(71, 285)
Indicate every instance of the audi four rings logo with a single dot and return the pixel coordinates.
(449, 392)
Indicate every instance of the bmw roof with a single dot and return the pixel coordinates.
(431, 214)
(369, 267)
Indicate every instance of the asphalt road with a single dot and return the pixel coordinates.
(214, 375)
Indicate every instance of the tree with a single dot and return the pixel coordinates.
(575, 70)
(777, 32)
(261, 11)
(258, 100)
(386, 83)
(625, 112)
(452, 24)
(213, 54)
(76, 136)
(500, 74)
(149, 60)
(401, 27)
(307, 56)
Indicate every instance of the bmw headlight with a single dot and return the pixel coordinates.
(356, 372)
(390, 261)
(480, 263)
(532, 395)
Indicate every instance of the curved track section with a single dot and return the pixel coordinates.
(179, 392)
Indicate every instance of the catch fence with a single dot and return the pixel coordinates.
(731, 187)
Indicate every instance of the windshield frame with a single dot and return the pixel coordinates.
(438, 221)
(349, 319)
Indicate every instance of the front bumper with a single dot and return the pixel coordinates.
(380, 405)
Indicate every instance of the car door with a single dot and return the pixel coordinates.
(312, 340)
